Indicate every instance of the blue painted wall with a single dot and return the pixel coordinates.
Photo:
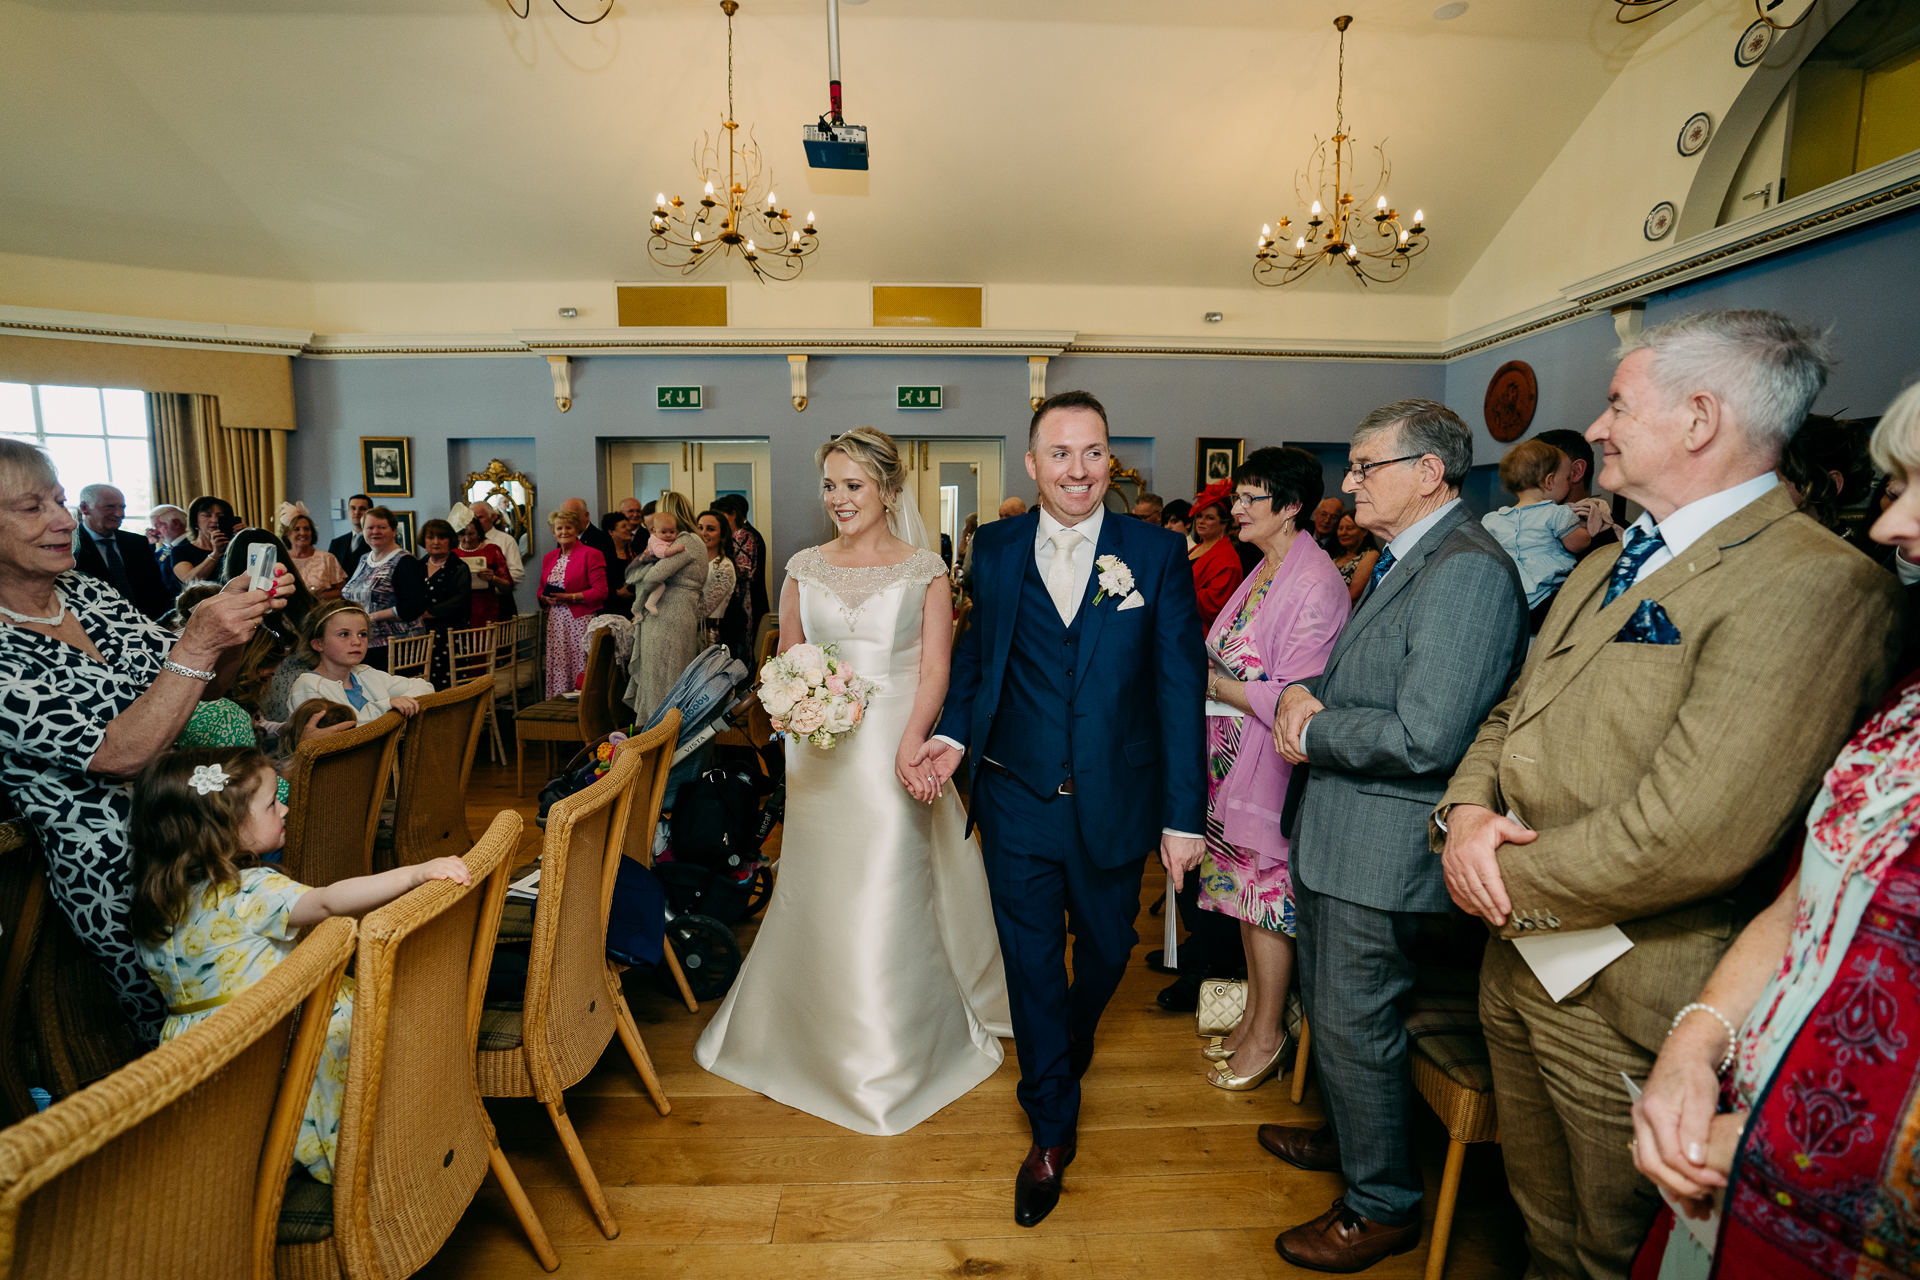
(462, 411)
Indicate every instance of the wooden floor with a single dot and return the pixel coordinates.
(1169, 1182)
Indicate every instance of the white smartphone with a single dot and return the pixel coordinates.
(263, 558)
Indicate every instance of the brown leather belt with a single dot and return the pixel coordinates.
(1066, 788)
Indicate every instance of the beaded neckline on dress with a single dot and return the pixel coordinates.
(852, 588)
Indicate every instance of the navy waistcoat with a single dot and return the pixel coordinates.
(1033, 730)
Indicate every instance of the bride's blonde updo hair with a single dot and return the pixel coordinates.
(874, 452)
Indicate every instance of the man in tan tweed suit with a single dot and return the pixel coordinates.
(1670, 727)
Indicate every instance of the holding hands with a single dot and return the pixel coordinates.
(1297, 706)
(923, 768)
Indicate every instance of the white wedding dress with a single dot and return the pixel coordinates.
(874, 993)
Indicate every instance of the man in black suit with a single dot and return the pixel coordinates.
(124, 561)
(350, 546)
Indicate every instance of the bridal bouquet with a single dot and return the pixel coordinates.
(809, 693)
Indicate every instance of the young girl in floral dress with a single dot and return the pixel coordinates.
(208, 923)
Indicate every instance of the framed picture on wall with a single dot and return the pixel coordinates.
(1215, 457)
(386, 466)
(403, 531)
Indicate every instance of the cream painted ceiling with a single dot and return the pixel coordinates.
(1046, 141)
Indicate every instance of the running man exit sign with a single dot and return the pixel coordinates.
(677, 397)
(918, 398)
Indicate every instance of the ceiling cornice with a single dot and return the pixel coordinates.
(87, 326)
(718, 341)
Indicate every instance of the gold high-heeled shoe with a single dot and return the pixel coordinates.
(1222, 1077)
(1216, 1050)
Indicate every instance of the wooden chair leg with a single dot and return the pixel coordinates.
(522, 1208)
(519, 764)
(679, 975)
(577, 1157)
(1443, 1216)
(637, 1050)
(1300, 1062)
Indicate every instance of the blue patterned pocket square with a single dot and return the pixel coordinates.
(1649, 625)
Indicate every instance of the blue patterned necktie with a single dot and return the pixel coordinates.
(1379, 571)
(1639, 546)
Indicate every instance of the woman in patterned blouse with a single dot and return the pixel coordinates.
(90, 691)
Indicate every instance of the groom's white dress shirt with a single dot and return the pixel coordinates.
(1083, 554)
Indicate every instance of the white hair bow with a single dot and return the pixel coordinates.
(288, 510)
(460, 516)
(208, 777)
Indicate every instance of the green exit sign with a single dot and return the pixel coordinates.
(677, 397)
(918, 398)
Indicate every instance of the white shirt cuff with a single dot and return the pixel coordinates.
(1185, 835)
(1905, 570)
(957, 746)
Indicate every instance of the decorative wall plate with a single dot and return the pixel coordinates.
(1659, 221)
(1694, 133)
(1511, 398)
(1754, 43)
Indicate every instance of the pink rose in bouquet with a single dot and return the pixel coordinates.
(809, 693)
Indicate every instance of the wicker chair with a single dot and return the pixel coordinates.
(471, 655)
(94, 1187)
(346, 774)
(583, 719)
(573, 1004)
(415, 1140)
(1452, 1071)
(516, 664)
(23, 905)
(641, 820)
(410, 655)
(436, 759)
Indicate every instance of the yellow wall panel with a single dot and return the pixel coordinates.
(937, 306)
(1890, 112)
(672, 305)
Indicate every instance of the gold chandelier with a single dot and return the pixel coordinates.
(1336, 232)
(732, 215)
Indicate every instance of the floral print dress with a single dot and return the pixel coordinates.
(231, 938)
(566, 638)
(1229, 882)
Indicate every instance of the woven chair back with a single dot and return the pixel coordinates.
(569, 1017)
(643, 799)
(23, 905)
(414, 1137)
(174, 1166)
(82, 1033)
(410, 655)
(335, 792)
(436, 759)
(596, 689)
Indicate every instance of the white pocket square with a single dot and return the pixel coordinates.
(1134, 601)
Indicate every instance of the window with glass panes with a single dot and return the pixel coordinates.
(94, 435)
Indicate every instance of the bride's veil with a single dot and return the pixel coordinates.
(904, 522)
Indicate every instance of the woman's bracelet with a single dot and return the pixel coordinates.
(1213, 686)
(204, 677)
(1733, 1037)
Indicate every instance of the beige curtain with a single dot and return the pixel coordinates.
(194, 455)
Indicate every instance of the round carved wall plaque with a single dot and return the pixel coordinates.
(1511, 398)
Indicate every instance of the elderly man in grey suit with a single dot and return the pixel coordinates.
(1431, 647)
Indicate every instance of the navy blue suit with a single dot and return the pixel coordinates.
(1113, 702)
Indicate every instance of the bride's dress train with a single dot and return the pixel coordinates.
(874, 993)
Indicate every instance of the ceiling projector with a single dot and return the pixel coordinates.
(835, 146)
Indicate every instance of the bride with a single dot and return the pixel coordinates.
(874, 992)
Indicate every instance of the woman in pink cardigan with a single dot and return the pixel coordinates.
(1277, 628)
(573, 586)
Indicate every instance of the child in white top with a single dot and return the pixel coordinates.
(1542, 536)
(336, 635)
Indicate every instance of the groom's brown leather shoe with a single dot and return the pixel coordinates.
(1037, 1187)
(1342, 1241)
(1311, 1149)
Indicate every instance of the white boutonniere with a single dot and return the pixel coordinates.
(1116, 579)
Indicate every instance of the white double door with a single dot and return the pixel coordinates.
(952, 479)
(701, 470)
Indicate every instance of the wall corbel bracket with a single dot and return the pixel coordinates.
(562, 369)
(1036, 381)
(797, 375)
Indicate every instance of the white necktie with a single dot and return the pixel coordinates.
(1060, 574)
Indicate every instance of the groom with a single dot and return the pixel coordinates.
(1078, 691)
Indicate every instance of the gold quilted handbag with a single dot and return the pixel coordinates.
(1223, 1002)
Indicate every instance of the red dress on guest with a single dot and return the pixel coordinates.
(1216, 576)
